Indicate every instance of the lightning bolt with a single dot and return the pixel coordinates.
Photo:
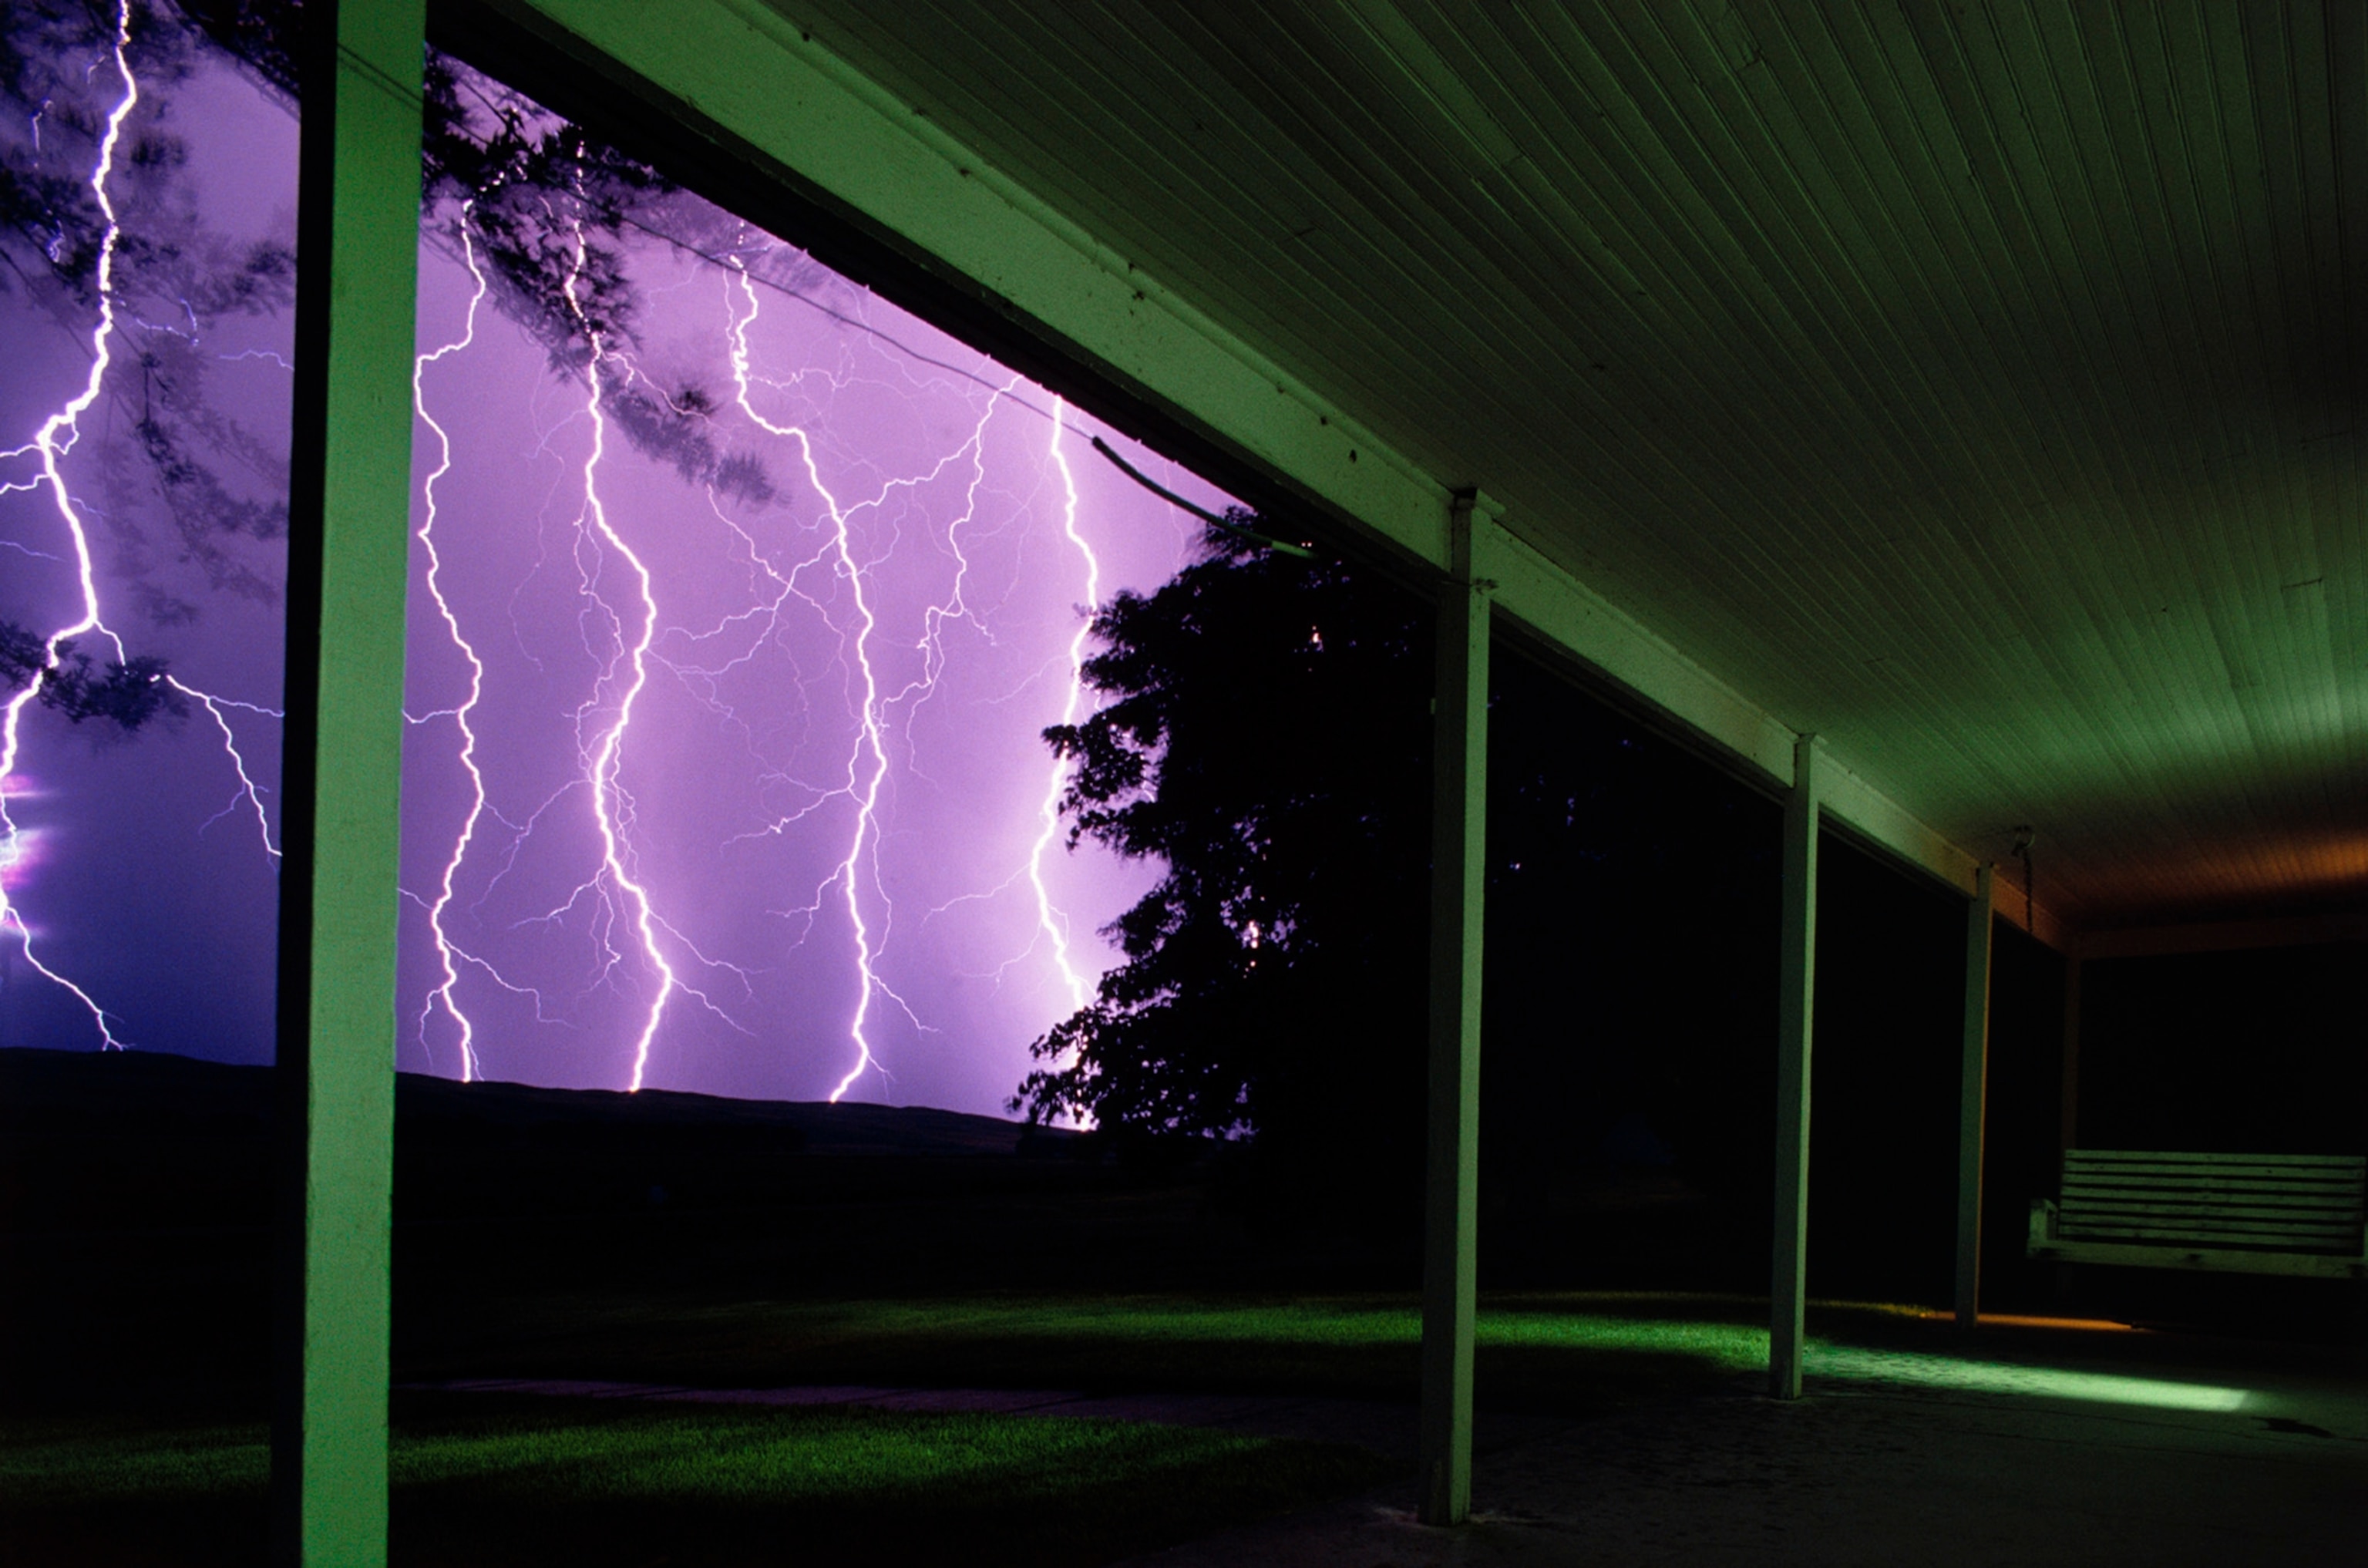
(56, 437)
(442, 997)
(248, 791)
(816, 663)
(867, 762)
(608, 752)
(1055, 928)
(869, 746)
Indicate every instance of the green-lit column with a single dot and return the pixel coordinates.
(357, 244)
(1458, 883)
(1973, 1100)
(2068, 1132)
(1796, 995)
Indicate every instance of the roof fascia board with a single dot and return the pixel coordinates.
(757, 77)
(2222, 937)
(754, 74)
(1557, 606)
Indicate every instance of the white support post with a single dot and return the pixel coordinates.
(1458, 882)
(1796, 1015)
(1973, 1100)
(348, 537)
(2067, 1134)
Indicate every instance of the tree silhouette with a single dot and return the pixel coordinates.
(177, 278)
(545, 207)
(543, 210)
(130, 692)
(1266, 737)
(1265, 740)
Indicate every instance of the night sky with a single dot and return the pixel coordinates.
(683, 750)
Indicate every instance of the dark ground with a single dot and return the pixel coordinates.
(134, 1245)
(676, 1239)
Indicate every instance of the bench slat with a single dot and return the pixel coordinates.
(2349, 1213)
(2076, 1181)
(2337, 1234)
(2187, 1224)
(2314, 1177)
(2222, 1177)
(2106, 1156)
(2218, 1172)
(2212, 1204)
(2070, 1221)
(2283, 1197)
(2212, 1173)
(2073, 1215)
(2171, 1209)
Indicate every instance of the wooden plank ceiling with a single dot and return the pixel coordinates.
(1979, 386)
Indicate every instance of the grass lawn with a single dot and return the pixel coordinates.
(514, 1480)
(1565, 1354)
(518, 1480)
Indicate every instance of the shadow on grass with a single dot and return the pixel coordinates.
(486, 1480)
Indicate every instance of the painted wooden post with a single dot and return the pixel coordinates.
(1796, 1022)
(350, 498)
(2068, 1136)
(1458, 883)
(1972, 1099)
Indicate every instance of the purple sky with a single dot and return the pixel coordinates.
(137, 865)
(824, 742)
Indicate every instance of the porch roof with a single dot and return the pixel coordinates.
(1977, 388)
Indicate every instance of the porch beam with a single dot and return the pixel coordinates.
(348, 502)
(2157, 941)
(741, 87)
(1796, 1020)
(1458, 882)
(1973, 1098)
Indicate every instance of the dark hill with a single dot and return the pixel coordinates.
(155, 1093)
(135, 1197)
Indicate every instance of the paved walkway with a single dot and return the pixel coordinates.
(2019, 1464)
(2022, 1450)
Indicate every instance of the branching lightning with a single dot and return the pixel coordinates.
(54, 440)
(443, 996)
(249, 793)
(1055, 928)
(862, 588)
(869, 751)
(608, 799)
(867, 697)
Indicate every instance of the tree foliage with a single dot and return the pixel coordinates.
(544, 211)
(127, 691)
(1265, 741)
(177, 278)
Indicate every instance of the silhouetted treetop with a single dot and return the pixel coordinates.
(1266, 739)
(129, 692)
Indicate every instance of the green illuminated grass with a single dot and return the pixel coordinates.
(515, 1480)
(520, 1481)
(1568, 1354)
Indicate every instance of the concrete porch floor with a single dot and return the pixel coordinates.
(2030, 1447)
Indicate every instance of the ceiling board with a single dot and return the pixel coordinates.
(1978, 387)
